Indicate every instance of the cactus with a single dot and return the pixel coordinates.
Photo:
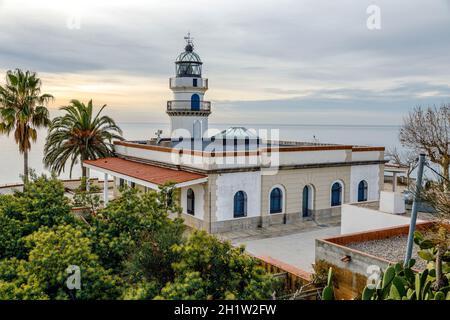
(439, 296)
(367, 293)
(397, 290)
(328, 292)
(388, 276)
(401, 283)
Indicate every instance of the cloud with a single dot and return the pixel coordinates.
(273, 57)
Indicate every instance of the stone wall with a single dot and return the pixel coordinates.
(350, 276)
(235, 224)
(194, 222)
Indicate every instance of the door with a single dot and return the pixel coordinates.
(195, 102)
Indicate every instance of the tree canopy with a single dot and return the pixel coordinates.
(427, 130)
(131, 249)
(23, 109)
(211, 269)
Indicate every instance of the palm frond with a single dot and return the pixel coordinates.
(78, 136)
(22, 107)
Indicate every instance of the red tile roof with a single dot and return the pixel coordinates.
(142, 171)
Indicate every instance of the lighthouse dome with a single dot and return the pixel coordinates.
(188, 63)
(188, 56)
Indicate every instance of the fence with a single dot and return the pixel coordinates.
(296, 282)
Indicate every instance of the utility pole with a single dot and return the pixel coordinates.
(412, 225)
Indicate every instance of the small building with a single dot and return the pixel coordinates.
(240, 178)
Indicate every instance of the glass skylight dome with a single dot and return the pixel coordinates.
(188, 63)
(239, 133)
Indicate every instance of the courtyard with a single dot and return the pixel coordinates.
(292, 244)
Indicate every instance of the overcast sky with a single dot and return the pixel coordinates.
(271, 61)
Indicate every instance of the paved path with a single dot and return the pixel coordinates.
(297, 249)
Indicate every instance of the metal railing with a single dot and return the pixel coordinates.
(186, 105)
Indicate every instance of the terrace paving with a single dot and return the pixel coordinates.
(292, 244)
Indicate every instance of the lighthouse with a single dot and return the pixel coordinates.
(188, 111)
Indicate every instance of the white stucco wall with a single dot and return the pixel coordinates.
(230, 183)
(185, 95)
(143, 153)
(358, 219)
(199, 194)
(370, 173)
(308, 157)
(392, 202)
(183, 126)
(10, 190)
(181, 83)
(367, 155)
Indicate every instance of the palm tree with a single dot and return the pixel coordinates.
(23, 110)
(79, 136)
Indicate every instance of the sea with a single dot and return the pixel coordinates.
(11, 162)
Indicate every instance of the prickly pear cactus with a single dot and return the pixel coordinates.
(402, 283)
(328, 291)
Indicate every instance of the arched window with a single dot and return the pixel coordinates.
(362, 191)
(195, 102)
(336, 194)
(240, 204)
(190, 202)
(306, 201)
(276, 200)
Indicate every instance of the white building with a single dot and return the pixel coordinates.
(240, 178)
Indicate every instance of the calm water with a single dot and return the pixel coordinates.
(11, 162)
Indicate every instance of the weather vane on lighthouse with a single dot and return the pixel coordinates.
(189, 43)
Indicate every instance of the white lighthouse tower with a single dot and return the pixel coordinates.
(188, 110)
